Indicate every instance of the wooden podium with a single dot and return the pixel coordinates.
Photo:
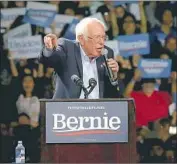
(90, 153)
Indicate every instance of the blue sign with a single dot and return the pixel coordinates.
(161, 37)
(133, 44)
(70, 32)
(118, 3)
(155, 68)
(43, 18)
(87, 122)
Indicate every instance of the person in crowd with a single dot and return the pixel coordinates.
(170, 46)
(156, 153)
(87, 49)
(9, 88)
(29, 136)
(120, 12)
(83, 9)
(27, 102)
(151, 105)
(165, 15)
(130, 26)
(108, 12)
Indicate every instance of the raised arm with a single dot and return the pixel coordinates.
(54, 52)
(131, 84)
(143, 18)
(12, 66)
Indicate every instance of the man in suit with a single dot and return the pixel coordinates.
(82, 58)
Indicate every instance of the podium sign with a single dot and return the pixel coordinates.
(87, 122)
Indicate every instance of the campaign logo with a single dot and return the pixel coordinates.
(82, 123)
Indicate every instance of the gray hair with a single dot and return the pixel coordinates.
(82, 26)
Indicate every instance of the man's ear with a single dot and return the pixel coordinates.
(81, 40)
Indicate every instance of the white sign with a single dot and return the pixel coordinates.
(20, 31)
(100, 17)
(135, 10)
(26, 47)
(8, 15)
(41, 6)
(59, 22)
(113, 44)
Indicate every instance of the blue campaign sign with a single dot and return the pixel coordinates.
(161, 37)
(70, 32)
(118, 3)
(133, 44)
(43, 18)
(155, 68)
(87, 122)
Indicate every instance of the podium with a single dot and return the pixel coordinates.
(118, 152)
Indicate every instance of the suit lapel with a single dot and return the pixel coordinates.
(78, 60)
(100, 69)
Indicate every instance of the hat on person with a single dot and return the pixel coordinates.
(148, 80)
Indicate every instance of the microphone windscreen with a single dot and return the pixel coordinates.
(104, 52)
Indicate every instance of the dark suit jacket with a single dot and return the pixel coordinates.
(66, 60)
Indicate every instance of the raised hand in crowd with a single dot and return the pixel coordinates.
(131, 84)
(13, 67)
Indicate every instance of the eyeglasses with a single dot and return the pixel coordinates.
(97, 38)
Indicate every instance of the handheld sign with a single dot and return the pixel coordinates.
(20, 31)
(43, 18)
(161, 37)
(155, 68)
(70, 32)
(26, 47)
(113, 44)
(8, 15)
(133, 44)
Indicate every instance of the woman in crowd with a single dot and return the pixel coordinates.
(27, 102)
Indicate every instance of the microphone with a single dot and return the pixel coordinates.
(77, 80)
(92, 84)
(104, 53)
(80, 83)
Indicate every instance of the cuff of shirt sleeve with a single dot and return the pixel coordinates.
(47, 52)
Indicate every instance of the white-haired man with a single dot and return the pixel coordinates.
(82, 58)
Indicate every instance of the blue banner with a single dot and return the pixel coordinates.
(161, 37)
(87, 122)
(70, 32)
(118, 3)
(155, 68)
(43, 18)
(133, 44)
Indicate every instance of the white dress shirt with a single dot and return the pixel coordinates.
(89, 71)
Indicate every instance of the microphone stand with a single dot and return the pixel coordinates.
(86, 93)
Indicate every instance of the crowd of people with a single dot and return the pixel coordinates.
(25, 81)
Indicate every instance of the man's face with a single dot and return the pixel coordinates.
(129, 25)
(157, 150)
(120, 12)
(94, 42)
(148, 88)
(167, 17)
(171, 44)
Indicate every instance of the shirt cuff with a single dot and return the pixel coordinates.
(47, 52)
